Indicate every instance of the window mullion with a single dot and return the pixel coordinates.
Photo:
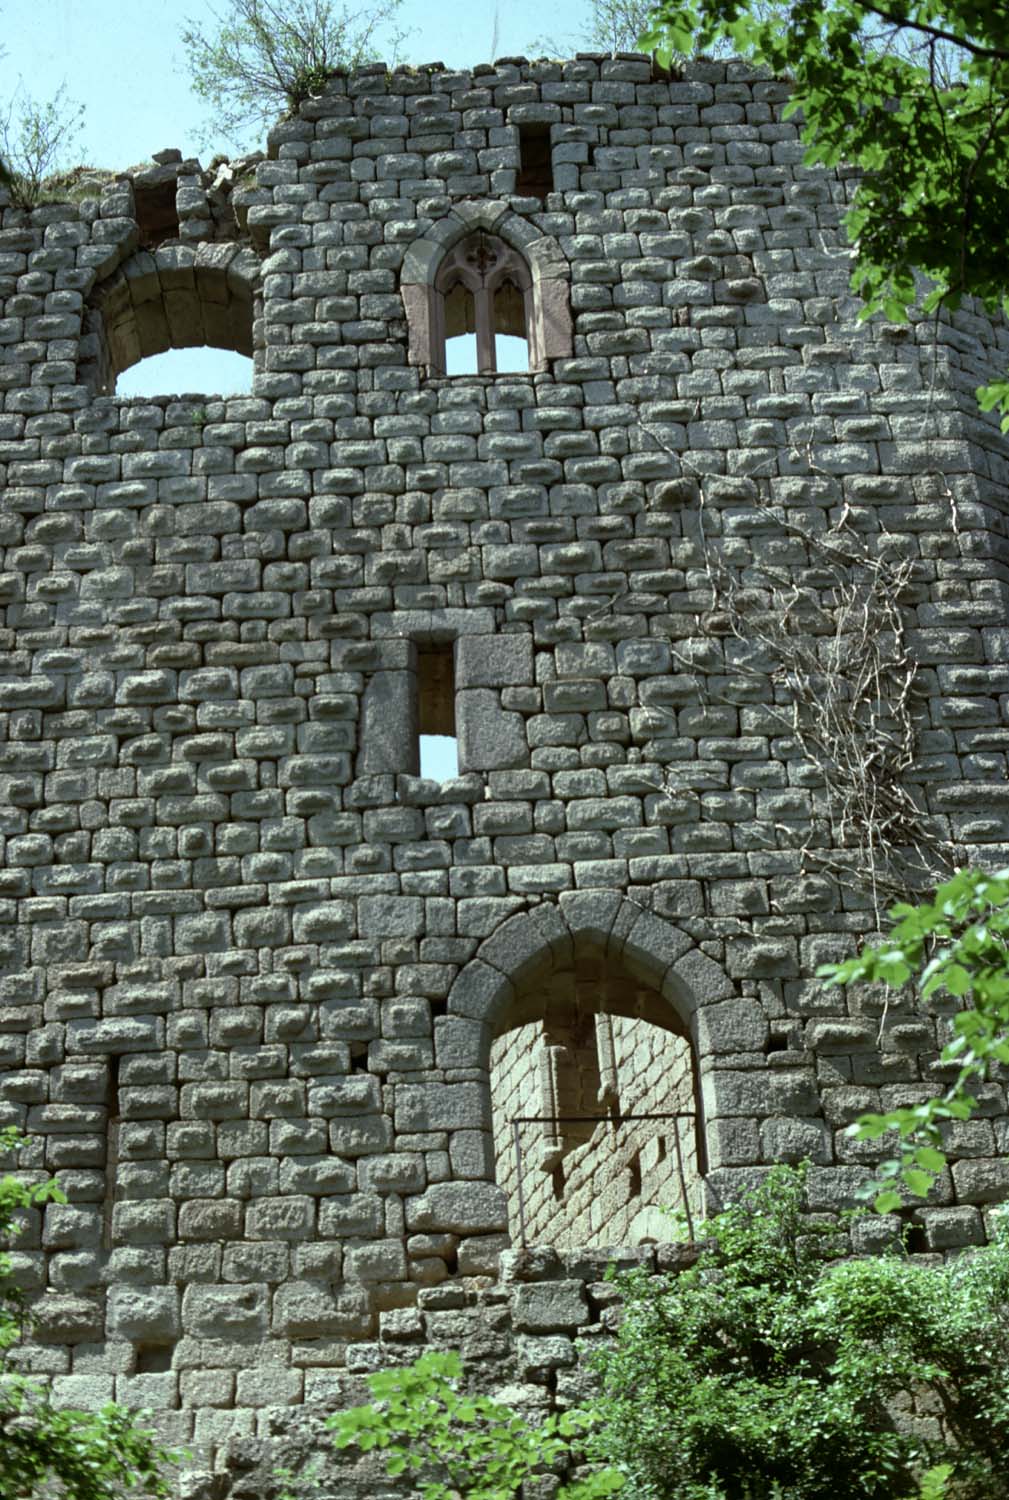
(486, 350)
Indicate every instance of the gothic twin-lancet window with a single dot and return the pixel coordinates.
(483, 287)
(498, 287)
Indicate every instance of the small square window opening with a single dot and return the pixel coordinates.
(536, 172)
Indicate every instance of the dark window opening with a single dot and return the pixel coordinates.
(439, 749)
(157, 216)
(153, 1359)
(536, 172)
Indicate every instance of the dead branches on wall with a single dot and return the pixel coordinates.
(829, 641)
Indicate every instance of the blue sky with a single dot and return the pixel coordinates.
(126, 65)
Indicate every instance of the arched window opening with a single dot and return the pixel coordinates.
(483, 308)
(593, 1089)
(493, 288)
(175, 299)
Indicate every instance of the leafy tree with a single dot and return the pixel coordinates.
(261, 58)
(916, 94)
(46, 1452)
(616, 25)
(37, 138)
(774, 1365)
(461, 1447)
(953, 947)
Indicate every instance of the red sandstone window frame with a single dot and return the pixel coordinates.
(486, 270)
(526, 259)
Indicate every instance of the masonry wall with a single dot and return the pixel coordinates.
(251, 965)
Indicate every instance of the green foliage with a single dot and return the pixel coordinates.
(460, 1445)
(261, 57)
(955, 946)
(36, 139)
(49, 1452)
(933, 1483)
(769, 1367)
(915, 94)
(306, 1483)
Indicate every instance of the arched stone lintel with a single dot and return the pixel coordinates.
(176, 296)
(653, 949)
(702, 999)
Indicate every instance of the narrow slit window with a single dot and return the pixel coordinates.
(536, 171)
(439, 750)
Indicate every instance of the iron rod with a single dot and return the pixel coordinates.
(518, 1177)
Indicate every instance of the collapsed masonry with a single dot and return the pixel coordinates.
(312, 1040)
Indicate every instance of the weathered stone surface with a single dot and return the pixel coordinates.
(297, 1025)
(459, 1208)
(551, 1305)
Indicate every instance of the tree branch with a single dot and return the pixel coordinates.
(997, 54)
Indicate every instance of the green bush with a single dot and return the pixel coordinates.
(459, 1445)
(773, 1368)
(48, 1452)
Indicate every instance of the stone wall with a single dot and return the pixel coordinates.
(252, 966)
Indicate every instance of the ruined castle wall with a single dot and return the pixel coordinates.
(252, 966)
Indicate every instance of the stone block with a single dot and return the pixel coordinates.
(351, 1214)
(59, 1318)
(391, 916)
(458, 1208)
(388, 732)
(148, 1313)
(286, 1218)
(490, 738)
(732, 1026)
(307, 1309)
(225, 1312)
(493, 661)
(549, 1307)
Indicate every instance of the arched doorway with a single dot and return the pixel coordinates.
(594, 1100)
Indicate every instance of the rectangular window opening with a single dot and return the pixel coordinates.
(439, 750)
(536, 170)
(157, 214)
(153, 1359)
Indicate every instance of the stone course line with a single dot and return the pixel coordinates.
(270, 1001)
